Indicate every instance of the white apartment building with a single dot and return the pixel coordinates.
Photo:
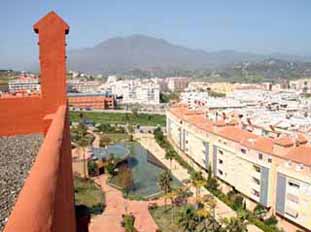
(24, 84)
(302, 85)
(83, 86)
(136, 91)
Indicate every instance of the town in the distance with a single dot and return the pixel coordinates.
(249, 140)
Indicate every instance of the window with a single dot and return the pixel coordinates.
(220, 152)
(294, 185)
(269, 160)
(289, 163)
(220, 172)
(256, 180)
(220, 161)
(260, 156)
(257, 169)
(243, 150)
(255, 193)
(299, 167)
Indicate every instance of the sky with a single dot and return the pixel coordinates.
(262, 26)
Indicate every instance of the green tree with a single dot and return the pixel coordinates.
(188, 220)
(82, 139)
(198, 182)
(92, 167)
(128, 222)
(211, 183)
(235, 224)
(164, 182)
(206, 213)
(260, 211)
(170, 156)
(83, 142)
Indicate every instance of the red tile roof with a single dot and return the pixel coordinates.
(284, 141)
(300, 154)
(235, 133)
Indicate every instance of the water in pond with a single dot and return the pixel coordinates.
(144, 166)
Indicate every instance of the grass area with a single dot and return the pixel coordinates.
(121, 118)
(87, 193)
(118, 138)
(163, 217)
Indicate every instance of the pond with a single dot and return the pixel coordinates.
(145, 168)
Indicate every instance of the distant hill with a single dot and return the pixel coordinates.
(122, 54)
(141, 55)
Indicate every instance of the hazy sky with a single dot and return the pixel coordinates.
(262, 26)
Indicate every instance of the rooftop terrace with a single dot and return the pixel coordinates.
(17, 154)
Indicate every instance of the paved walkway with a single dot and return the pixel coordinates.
(116, 205)
(222, 210)
(96, 142)
(110, 219)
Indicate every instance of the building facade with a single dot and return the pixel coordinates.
(24, 84)
(177, 83)
(135, 91)
(302, 85)
(274, 173)
(91, 101)
(83, 86)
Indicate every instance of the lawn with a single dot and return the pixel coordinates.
(118, 138)
(88, 194)
(164, 218)
(121, 118)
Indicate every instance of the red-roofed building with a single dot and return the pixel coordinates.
(267, 171)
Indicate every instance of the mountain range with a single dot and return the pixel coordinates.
(123, 54)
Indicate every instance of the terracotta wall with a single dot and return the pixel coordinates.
(46, 201)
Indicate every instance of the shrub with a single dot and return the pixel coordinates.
(212, 184)
(271, 221)
(260, 211)
(110, 168)
(128, 221)
(92, 167)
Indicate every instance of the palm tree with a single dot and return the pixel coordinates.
(164, 183)
(188, 220)
(172, 196)
(81, 138)
(207, 214)
(83, 142)
(235, 224)
(198, 182)
(170, 156)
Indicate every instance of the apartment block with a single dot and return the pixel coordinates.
(134, 91)
(24, 84)
(91, 101)
(272, 172)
